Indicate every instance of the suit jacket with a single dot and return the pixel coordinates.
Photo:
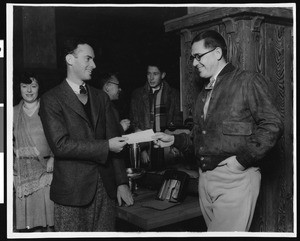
(80, 146)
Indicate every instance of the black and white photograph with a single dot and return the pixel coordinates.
(149, 120)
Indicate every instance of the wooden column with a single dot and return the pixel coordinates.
(34, 46)
(39, 39)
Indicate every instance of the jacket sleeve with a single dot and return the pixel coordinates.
(175, 106)
(184, 142)
(133, 115)
(67, 145)
(268, 122)
(113, 130)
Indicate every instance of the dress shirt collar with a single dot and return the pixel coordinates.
(74, 86)
(152, 90)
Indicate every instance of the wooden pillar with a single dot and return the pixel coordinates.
(34, 46)
(39, 37)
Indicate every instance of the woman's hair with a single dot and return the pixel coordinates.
(27, 78)
(23, 78)
(212, 39)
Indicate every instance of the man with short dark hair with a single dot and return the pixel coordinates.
(83, 135)
(155, 106)
(236, 123)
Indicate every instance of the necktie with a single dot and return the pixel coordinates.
(209, 88)
(82, 96)
(82, 90)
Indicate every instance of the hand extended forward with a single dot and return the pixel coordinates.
(163, 140)
(125, 123)
(117, 144)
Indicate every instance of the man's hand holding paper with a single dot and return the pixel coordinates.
(163, 140)
(141, 136)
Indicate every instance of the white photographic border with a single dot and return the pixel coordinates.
(9, 118)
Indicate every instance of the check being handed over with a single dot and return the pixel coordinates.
(141, 136)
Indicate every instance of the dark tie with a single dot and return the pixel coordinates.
(82, 96)
(82, 90)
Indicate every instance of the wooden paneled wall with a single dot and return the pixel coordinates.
(39, 37)
(258, 39)
(34, 47)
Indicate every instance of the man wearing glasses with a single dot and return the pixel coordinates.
(236, 124)
(111, 86)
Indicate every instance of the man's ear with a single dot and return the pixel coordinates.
(69, 59)
(106, 88)
(163, 75)
(219, 53)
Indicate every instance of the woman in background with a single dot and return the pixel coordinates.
(33, 162)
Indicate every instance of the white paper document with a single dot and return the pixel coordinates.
(141, 136)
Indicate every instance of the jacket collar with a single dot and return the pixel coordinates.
(228, 68)
(73, 102)
(166, 87)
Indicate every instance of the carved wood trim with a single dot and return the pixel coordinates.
(187, 34)
(230, 25)
(256, 23)
(283, 15)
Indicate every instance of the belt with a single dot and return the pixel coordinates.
(210, 162)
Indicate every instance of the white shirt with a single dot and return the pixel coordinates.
(157, 88)
(75, 87)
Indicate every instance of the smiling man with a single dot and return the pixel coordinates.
(111, 86)
(236, 124)
(83, 135)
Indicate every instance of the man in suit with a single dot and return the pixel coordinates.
(82, 132)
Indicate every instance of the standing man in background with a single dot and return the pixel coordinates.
(236, 124)
(155, 106)
(111, 86)
(82, 132)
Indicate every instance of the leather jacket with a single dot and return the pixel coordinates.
(241, 120)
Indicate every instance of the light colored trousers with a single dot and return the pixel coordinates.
(228, 197)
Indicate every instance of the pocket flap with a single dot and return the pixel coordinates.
(237, 128)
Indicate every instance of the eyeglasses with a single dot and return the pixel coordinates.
(199, 56)
(113, 83)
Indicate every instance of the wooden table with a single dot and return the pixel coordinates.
(148, 218)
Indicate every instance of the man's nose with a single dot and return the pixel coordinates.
(93, 64)
(195, 62)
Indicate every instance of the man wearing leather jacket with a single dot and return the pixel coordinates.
(236, 123)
